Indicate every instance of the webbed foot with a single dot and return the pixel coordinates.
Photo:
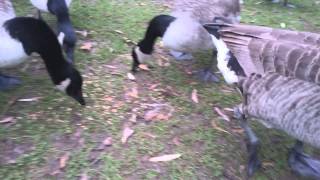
(8, 82)
(303, 164)
(207, 76)
(181, 56)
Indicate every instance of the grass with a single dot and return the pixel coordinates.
(47, 129)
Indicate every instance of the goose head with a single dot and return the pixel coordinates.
(71, 84)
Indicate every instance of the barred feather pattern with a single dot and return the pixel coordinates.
(284, 103)
(206, 10)
(262, 49)
(6, 11)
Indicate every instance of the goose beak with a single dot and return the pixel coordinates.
(79, 98)
(212, 29)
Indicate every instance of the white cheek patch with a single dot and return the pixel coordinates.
(63, 85)
(142, 57)
(61, 37)
(223, 58)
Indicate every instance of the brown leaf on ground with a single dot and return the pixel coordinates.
(84, 176)
(133, 93)
(29, 99)
(111, 67)
(194, 96)
(159, 112)
(8, 119)
(153, 86)
(126, 134)
(118, 31)
(87, 46)
(63, 160)
(176, 141)
(216, 127)
(133, 118)
(149, 135)
(165, 158)
(221, 114)
(83, 33)
(238, 130)
(131, 76)
(267, 164)
(107, 141)
(144, 67)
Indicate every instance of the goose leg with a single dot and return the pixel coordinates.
(303, 164)
(206, 74)
(8, 82)
(252, 145)
(181, 56)
(39, 15)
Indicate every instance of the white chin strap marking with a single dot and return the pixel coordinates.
(223, 58)
(142, 57)
(63, 85)
(61, 37)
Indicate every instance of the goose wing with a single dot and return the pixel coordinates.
(262, 49)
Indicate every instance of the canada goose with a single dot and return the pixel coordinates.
(260, 49)
(66, 32)
(284, 103)
(182, 31)
(245, 49)
(22, 36)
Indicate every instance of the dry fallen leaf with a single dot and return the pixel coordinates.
(131, 76)
(220, 113)
(150, 115)
(7, 120)
(118, 31)
(29, 99)
(83, 33)
(84, 176)
(133, 93)
(63, 160)
(86, 46)
(165, 158)
(216, 127)
(176, 141)
(144, 67)
(150, 135)
(127, 132)
(107, 141)
(133, 118)
(111, 67)
(194, 96)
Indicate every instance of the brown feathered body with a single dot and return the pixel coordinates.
(187, 33)
(206, 10)
(284, 103)
(262, 49)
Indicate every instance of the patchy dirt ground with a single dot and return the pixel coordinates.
(131, 118)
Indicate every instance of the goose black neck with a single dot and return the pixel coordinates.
(60, 9)
(157, 27)
(37, 37)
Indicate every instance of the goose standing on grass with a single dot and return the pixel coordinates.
(66, 32)
(22, 36)
(182, 31)
(246, 49)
